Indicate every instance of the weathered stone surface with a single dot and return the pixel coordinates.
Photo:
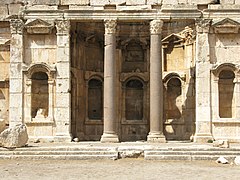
(46, 2)
(2, 125)
(131, 154)
(75, 2)
(204, 1)
(3, 10)
(237, 160)
(221, 143)
(14, 137)
(14, 8)
(227, 1)
(222, 160)
(135, 2)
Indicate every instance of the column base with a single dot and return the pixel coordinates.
(203, 138)
(156, 138)
(109, 138)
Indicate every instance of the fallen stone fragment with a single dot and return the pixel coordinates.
(2, 125)
(221, 143)
(237, 160)
(222, 160)
(131, 154)
(14, 137)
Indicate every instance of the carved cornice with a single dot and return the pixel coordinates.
(16, 26)
(63, 26)
(110, 26)
(203, 25)
(156, 26)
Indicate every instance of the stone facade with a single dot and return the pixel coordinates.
(121, 70)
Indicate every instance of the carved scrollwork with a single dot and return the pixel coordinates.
(110, 26)
(63, 26)
(203, 25)
(156, 26)
(16, 26)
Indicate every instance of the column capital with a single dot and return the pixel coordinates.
(110, 26)
(16, 26)
(156, 26)
(63, 26)
(203, 25)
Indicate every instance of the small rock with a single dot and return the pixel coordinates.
(14, 137)
(131, 154)
(237, 160)
(75, 139)
(222, 160)
(221, 143)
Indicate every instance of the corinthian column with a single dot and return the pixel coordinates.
(110, 110)
(156, 85)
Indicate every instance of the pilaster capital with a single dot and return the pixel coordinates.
(156, 26)
(16, 26)
(203, 25)
(110, 26)
(63, 26)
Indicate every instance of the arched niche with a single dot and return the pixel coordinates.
(134, 99)
(226, 93)
(95, 99)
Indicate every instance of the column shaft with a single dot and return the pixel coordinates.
(156, 85)
(109, 133)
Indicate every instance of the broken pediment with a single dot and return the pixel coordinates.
(173, 39)
(226, 26)
(39, 26)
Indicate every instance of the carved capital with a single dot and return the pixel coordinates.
(203, 25)
(156, 26)
(110, 26)
(63, 26)
(16, 26)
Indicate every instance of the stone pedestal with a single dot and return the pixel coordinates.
(62, 110)
(16, 75)
(156, 84)
(110, 110)
(203, 89)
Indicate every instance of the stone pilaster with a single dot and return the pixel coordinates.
(16, 75)
(63, 98)
(110, 110)
(156, 84)
(203, 89)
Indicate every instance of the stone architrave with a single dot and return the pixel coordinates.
(62, 111)
(156, 84)
(110, 110)
(203, 93)
(14, 137)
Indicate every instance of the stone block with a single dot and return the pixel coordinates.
(14, 8)
(75, 2)
(3, 10)
(11, 1)
(154, 2)
(171, 2)
(2, 125)
(99, 2)
(237, 160)
(237, 2)
(221, 143)
(227, 2)
(135, 2)
(14, 137)
(46, 2)
(203, 2)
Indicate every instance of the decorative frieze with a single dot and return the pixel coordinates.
(16, 26)
(156, 26)
(110, 26)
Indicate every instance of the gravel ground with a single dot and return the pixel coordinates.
(113, 170)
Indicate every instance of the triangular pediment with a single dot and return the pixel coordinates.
(37, 23)
(175, 38)
(226, 25)
(39, 26)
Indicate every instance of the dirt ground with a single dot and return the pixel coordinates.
(113, 170)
